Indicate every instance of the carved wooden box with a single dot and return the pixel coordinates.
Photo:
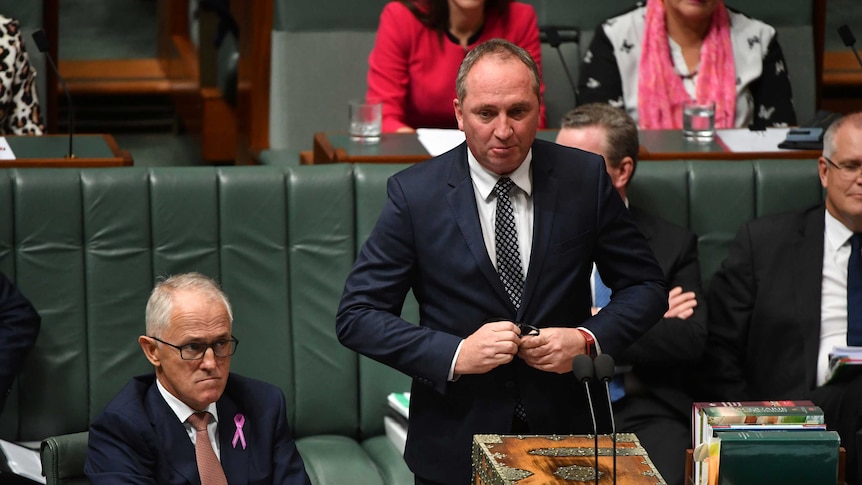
(543, 460)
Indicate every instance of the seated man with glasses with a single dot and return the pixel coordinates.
(193, 421)
(789, 292)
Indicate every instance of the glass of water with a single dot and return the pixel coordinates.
(698, 120)
(366, 118)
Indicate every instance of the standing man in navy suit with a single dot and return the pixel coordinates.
(193, 422)
(503, 282)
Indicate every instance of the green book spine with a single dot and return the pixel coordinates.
(764, 415)
(778, 457)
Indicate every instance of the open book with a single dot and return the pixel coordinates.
(22, 461)
(842, 361)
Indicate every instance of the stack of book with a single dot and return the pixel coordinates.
(759, 419)
(396, 420)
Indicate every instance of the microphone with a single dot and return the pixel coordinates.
(552, 36)
(849, 40)
(605, 372)
(41, 40)
(582, 366)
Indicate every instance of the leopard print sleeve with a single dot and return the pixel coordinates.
(18, 97)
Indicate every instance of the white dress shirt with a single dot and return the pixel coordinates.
(833, 292)
(183, 411)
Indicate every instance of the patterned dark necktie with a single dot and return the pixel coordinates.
(509, 258)
(506, 243)
(209, 466)
(854, 291)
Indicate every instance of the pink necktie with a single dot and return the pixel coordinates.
(208, 465)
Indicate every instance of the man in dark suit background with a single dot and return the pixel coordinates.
(779, 303)
(19, 328)
(652, 399)
(192, 422)
(442, 232)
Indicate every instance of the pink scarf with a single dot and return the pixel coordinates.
(660, 89)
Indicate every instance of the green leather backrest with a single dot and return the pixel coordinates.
(86, 247)
(713, 198)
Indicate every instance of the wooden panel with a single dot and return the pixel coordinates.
(115, 76)
(254, 18)
(842, 82)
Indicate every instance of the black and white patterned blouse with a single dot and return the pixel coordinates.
(19, 103)
(609, 70)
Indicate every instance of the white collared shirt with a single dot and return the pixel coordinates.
(522, 205)
(833, 292)
(183, 411)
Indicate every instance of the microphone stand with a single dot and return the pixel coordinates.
(582, 365)
(41, 40)
(605, 372)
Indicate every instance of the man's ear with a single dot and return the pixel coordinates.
(624, 172)
(459, 115)
(151, 350)
(821, 169)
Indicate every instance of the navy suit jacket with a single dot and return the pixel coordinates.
(428, 239)
(764, 309)
(139, 440)
(19, 328)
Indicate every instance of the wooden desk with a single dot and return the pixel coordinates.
(842, 82)
(51, 150)
(406, 148)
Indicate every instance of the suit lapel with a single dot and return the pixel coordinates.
(462, 202)
(808, 271)
(234, 459)
(545, 190)
(178, 448)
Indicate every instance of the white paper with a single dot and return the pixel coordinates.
(396, 432)
(438, 141)
(23, 461)
(745, 140)
(6, 152)
(397, 405)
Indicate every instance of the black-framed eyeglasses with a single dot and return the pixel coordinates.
(848, 171)
(197, 350)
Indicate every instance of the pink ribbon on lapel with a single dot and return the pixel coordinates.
(239, 420)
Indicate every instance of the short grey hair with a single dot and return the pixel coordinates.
(622, 132)
(161, 302)
(504, 50)
(829, 137)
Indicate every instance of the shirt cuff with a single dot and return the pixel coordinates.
(452, 377)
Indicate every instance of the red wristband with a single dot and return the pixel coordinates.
(589, 343)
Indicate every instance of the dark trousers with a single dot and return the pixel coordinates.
(842, 406)
(664, 433)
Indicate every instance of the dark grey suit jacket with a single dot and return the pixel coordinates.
(764, 309)
(664, 358)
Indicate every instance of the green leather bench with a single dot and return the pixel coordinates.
(86, 246)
